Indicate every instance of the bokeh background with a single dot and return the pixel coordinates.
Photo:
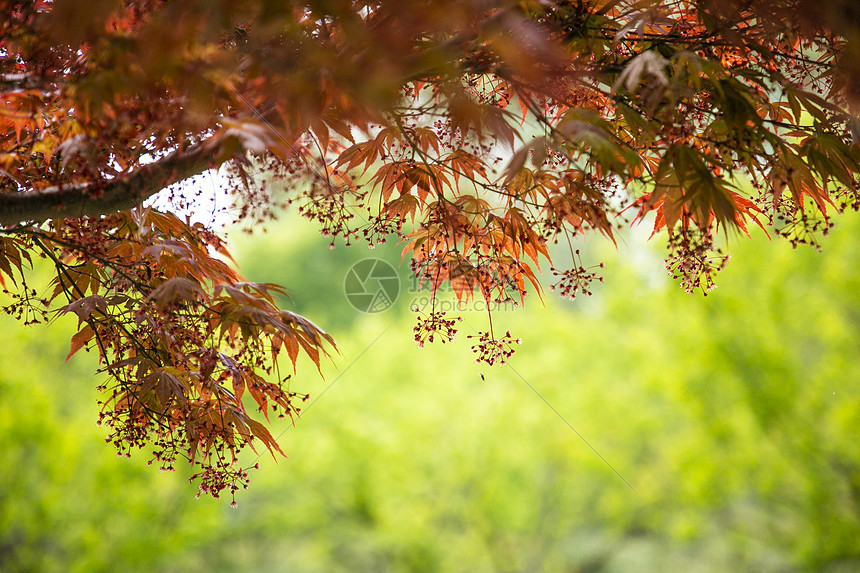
(733, 417)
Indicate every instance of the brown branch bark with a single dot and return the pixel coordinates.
(93, 199)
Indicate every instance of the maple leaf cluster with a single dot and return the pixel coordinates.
(180, 336)
(477, 133)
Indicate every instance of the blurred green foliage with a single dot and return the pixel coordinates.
(734, 418)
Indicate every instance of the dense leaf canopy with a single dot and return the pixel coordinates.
(477, 132)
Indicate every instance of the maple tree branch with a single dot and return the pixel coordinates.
(100, 198)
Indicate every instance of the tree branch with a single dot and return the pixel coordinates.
(93, 199)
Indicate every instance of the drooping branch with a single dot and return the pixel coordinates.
(103, 197)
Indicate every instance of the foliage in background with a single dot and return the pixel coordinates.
(734, 418)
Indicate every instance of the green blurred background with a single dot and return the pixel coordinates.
(734, 417)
